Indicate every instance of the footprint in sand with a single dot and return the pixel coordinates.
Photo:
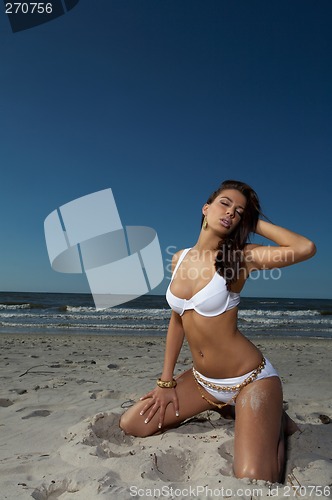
(105, 435)
(38, 413)
(104, 394)
(5, 402)
(172, 465)
(54, 490)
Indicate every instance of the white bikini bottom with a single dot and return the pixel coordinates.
(227, 389)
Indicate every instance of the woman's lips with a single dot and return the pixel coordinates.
(226, 223)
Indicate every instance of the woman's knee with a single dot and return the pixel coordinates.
(126, 424)
(131, 425)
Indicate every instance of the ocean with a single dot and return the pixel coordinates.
(62, 313)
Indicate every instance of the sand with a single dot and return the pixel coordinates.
(60, 402)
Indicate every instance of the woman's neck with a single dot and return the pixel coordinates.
(207, 241)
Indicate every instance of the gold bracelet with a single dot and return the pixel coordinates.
(166, 384)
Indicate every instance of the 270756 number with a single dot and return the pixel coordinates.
(306, 491)
(29, 8)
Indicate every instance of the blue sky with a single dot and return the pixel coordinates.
(162, 101)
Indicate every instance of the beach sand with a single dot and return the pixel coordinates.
(61, 398)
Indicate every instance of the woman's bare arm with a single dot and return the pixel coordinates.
(174, 341)
(290, 248)
(159, 398)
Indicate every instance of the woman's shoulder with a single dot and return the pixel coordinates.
(178, 255)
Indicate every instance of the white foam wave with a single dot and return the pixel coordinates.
(268, 312)
(288, 321)
(82, 309)
(116, 310)
(12, 307)
(85, 326)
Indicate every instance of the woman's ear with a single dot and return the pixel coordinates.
(205, 209)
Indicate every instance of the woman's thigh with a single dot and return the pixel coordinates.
(258, 429)
(190, 403)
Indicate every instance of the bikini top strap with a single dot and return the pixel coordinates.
(182, 256)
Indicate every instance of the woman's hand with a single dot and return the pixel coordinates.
(159, 399)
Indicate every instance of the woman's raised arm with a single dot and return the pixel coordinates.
(290, 248)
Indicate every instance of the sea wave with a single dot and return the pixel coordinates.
(12, 307)
(83, 326)
(270, 312)
(282, 322)
(76, 314)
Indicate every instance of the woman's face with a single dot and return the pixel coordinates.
(225, 212)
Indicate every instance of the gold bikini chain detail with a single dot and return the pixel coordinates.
(220, 388)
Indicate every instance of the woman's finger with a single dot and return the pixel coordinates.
(161, 416)
(146, 396)
(176, 406)
(147, 406)
(153, 411)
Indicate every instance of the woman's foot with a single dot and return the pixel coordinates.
(289, 425)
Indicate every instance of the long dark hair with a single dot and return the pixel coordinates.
(230, 250)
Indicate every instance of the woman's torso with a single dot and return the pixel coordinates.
(209, 317)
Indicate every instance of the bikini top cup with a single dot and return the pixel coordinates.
(211, 300)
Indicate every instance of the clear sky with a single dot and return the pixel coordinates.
(162, 101)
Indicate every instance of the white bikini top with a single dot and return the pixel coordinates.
(211, 300)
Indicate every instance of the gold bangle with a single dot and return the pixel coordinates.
(166, 384)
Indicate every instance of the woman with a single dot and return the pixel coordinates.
(227, 368)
